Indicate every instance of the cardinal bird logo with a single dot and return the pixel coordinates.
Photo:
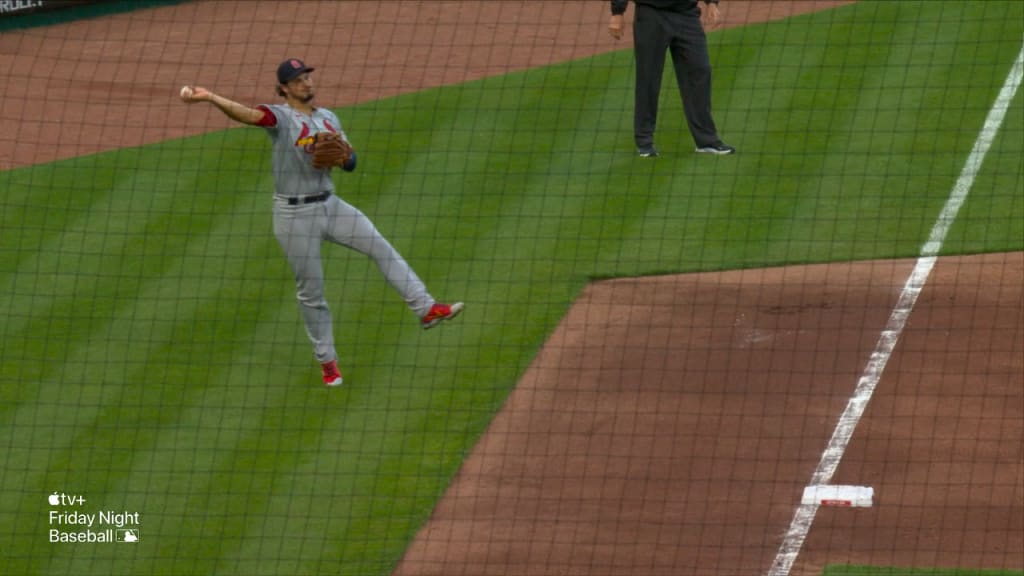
(305, 140)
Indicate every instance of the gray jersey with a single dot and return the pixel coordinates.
(291, 159)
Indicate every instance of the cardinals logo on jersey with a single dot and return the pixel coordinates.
(306, 139)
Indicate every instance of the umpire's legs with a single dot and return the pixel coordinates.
(650, 41)
(692, 65)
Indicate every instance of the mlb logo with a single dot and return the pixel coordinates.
(128, 535)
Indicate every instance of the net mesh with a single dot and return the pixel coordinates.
(685, 364)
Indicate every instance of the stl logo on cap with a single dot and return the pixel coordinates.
(296, 64)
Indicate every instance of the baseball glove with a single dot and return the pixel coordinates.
(330, 150)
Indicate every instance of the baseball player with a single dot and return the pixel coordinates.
(306, 210)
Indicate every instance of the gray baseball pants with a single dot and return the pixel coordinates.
(300, 230)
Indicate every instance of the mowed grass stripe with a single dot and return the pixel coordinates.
(85, 431)
(66, 268)
(993, 217)
(215, 454)
(93, 263)
(133, 372)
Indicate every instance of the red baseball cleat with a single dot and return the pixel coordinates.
(441, 312)
(331, 375)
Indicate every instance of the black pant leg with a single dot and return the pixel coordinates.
(650, 42)
(689, 48)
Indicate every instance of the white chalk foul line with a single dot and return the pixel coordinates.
(804, 516)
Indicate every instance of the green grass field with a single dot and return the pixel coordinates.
(153, 358)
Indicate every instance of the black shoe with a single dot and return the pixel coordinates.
(648, 152)
(720, 149)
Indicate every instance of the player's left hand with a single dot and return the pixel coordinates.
(710, 17)
(330, 150)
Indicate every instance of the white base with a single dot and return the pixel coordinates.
(843, 496)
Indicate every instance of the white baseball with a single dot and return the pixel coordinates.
(186, 92)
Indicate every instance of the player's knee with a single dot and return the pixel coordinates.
(311, 298)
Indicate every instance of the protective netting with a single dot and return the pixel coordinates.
(806, 357)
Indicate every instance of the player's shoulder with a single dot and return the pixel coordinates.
(275, 109)
(271, 118)
(325, 112)
(279, 111)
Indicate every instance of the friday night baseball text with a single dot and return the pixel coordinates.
(106, 518)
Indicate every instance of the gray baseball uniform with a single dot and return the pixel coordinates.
(306, 212)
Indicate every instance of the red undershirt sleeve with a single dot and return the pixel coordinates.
(268, 120)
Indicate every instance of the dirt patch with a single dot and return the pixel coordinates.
(670, 424)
